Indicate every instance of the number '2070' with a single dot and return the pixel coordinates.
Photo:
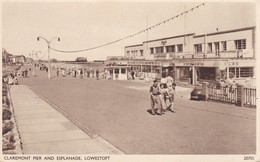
(249, 158)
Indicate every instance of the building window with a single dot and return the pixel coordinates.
(240, 44)
(242, 72)
(116, 71)
(128, 53)
(207, 73)
(151, 50)
(170, 48)
(179, 48)
(246, 72)
(209, 47)
(142, 52)
(198, 48)
(123, 71)
(158, 49)
(233, 72)
(224, 45)
(216, 48)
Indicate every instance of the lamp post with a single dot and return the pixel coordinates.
(48, 43)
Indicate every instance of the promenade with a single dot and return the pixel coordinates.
(117, 112)
(44, 130)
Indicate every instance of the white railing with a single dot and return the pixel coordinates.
(212, 54)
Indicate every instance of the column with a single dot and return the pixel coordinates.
(113, 74)
(227, 72)
(175, 73)
(205, 46)
(240, 95)
(193, 75)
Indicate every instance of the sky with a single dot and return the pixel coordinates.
(82, 25)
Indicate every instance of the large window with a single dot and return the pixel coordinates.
(240, 44)
(209, 47)
(241, 72)
(224, 45)
(152, 50)
(198, 48)
(233, 72)
(123, 71)
(158, 49)
(170, 48)
(179, 48)
(207, 73)
(216, 46)
(142, 52)
(128, 53)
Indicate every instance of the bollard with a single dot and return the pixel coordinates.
(205, 91)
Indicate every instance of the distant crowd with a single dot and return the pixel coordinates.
(82, 72)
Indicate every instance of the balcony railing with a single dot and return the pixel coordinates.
(212, 54)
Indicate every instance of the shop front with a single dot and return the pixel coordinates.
(242, 71)
(197, 71)
(118, 72)
(150, 69)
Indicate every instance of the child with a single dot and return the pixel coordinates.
(172, 93)
(164, 95)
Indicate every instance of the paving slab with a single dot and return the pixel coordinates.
(44, 137)
(35, 112)
(41, 128)
(44, 130)
(33, 107)
(84, 146)
(42, 115)
(37, 121)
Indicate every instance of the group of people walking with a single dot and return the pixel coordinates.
(162, 95)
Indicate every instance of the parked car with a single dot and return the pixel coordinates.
(196, 94)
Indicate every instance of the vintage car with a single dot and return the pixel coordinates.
(196, 94)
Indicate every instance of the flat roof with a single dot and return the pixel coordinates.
(226, 31)
(116, 67)
(134, 45)
(177, 36)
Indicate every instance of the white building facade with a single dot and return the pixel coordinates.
(195, 58)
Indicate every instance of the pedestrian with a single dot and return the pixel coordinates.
(169, 80)
(97, 74)
(163, 97)
(164, 81)
(81, 74)
(10, 80)
(63, 72)
(26, 72)
(172, 92)
(15, 80)
(155, 100)
(33, 73)
(57, 72)
(133, 74)
(88, 73)
(74, 73)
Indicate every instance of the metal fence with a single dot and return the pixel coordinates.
(223, 94)
(250, 97)
(230, 95)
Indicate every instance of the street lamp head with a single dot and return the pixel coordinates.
(38, 38)
(58, 39)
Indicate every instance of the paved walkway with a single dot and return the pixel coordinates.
(44, 130)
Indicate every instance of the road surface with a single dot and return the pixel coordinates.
(117, 111)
